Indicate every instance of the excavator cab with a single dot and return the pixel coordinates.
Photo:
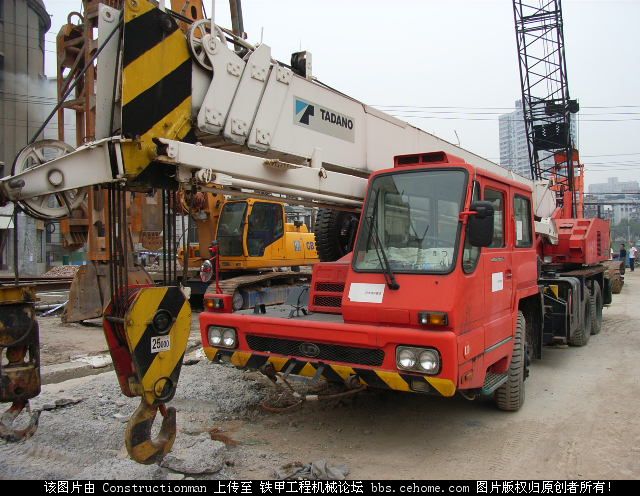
(231, 227)
(266, 225)
(253, 234)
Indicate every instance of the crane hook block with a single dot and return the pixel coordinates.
(140, 446)
(147, 346)
(19, 360)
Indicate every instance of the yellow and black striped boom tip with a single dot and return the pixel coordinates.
(156, 82)
(375, 378)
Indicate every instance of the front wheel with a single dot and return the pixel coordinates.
(510, 396)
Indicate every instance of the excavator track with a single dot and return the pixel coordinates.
(268, 288)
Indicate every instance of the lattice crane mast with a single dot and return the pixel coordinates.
(548, 109)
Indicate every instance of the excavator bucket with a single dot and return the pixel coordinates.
(90, 290)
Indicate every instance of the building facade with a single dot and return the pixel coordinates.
(25, 100)
(613, 185)
(514, 153)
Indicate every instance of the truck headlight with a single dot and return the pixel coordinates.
(406, 358)
(423, 360)
(224, 337)
(429, 361)
(229, 338)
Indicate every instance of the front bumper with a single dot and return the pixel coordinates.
(375, 378)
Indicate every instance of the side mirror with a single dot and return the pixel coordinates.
(480, 224)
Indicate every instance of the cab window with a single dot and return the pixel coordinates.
(471, 254)
(522, 212)
(497, 200)
(265, 226)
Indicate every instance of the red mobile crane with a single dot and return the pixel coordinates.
(458, 275)
(460, 271)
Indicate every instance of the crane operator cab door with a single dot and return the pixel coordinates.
(265, 228)
(497, 265)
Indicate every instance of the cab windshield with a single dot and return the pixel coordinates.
(231, 229)
(412, 217)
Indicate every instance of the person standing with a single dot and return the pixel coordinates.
(632, 257)
(623, 254)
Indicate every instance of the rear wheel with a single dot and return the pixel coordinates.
(510, 396)
(596, 308)
(583, 333)
(335, 231)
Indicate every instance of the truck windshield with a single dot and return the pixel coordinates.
(231, 228)
(416, 216)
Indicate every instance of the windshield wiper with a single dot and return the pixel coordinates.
(389, 276)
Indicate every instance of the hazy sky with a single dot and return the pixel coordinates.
(457, 60)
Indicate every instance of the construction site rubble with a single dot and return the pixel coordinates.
(75, 423)
(62, 271)
(196, 455)
(320, 469)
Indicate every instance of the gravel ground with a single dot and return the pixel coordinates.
(75, 441)
(579, 421)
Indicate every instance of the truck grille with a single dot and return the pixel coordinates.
(330, 287)
(332, 352)
(327, 301)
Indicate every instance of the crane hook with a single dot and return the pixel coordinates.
(140, 446)
(8, 432)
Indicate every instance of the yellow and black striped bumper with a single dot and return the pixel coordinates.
(381, 379)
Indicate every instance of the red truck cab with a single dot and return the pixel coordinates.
(433, 299)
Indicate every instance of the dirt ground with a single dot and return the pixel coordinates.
(579, 421)
(61, 342)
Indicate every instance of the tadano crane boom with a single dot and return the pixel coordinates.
(302, 129)
(459, 274)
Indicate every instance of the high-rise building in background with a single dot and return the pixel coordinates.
(514, 154)
(513, 142)
(25, 100)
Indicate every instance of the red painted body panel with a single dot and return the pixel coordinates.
(328, 278)
(360, 335)
(580, 241)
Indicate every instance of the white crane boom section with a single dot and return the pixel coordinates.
(259, 126)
